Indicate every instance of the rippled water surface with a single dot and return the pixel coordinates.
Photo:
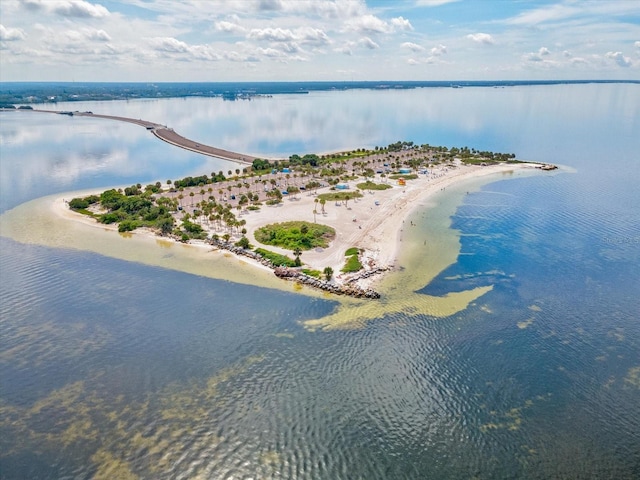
(114, 369)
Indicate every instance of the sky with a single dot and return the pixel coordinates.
(307, 40)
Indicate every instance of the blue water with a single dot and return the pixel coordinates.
(112, 368)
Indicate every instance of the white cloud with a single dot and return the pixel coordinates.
(438, 50)
(11, 34)
(433, 3)
(368, 43)
(229, 27)
(68, 8)
(155, 38)
(345, 49)
(307, 35)
(184, 51)
(79, 8)
(271, 52)
(482, 38)
(368, 24)
(414, 47)
(401, 23)
(619, 58)
(169, 44)
(533, 57)
(97, 35)
(538, 56)
(543, 14)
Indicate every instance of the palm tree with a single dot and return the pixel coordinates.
(315, 212)
(328, 273)
(297, 252)
(322, 204)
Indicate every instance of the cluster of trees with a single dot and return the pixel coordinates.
(260, 164)
(309, 159)
(130, 211)
(399, 146)
(83, 203)
(196, 181)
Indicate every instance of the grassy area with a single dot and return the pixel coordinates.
(276, 258)
(369, 185)
(408, 176)
(292, 235)
(351, 251)
(331, 197)
(352, 265)
(84, 211)
(312, 273)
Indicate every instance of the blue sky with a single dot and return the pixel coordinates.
(279, 40)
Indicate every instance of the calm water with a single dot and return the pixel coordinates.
(113, 369)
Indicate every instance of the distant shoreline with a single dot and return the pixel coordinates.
(31, 93)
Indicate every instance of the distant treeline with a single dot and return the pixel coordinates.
(51, 92)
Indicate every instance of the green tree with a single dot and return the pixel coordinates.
(297, 252)
(243, 242)
(166, 225)
(328, 273)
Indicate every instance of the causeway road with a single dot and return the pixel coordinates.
(167, 134)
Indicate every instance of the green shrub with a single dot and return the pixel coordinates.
(83, 203)
(128, 225)
(276, 258)
(352, 265)
(243, 243)
(368, 185)
(330, 197)
(351, 251)
(311, 273)
(292, 235)
(409, 176)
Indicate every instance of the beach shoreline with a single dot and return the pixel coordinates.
(373, 223)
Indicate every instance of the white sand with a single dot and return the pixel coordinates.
(376, 228)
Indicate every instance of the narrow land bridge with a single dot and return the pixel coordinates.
(168, 135)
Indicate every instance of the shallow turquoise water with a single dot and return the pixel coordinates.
(110, 368)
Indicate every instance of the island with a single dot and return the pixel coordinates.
(332, 222)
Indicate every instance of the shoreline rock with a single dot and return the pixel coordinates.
(292, 274)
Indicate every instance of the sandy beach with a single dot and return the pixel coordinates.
(373, 223)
